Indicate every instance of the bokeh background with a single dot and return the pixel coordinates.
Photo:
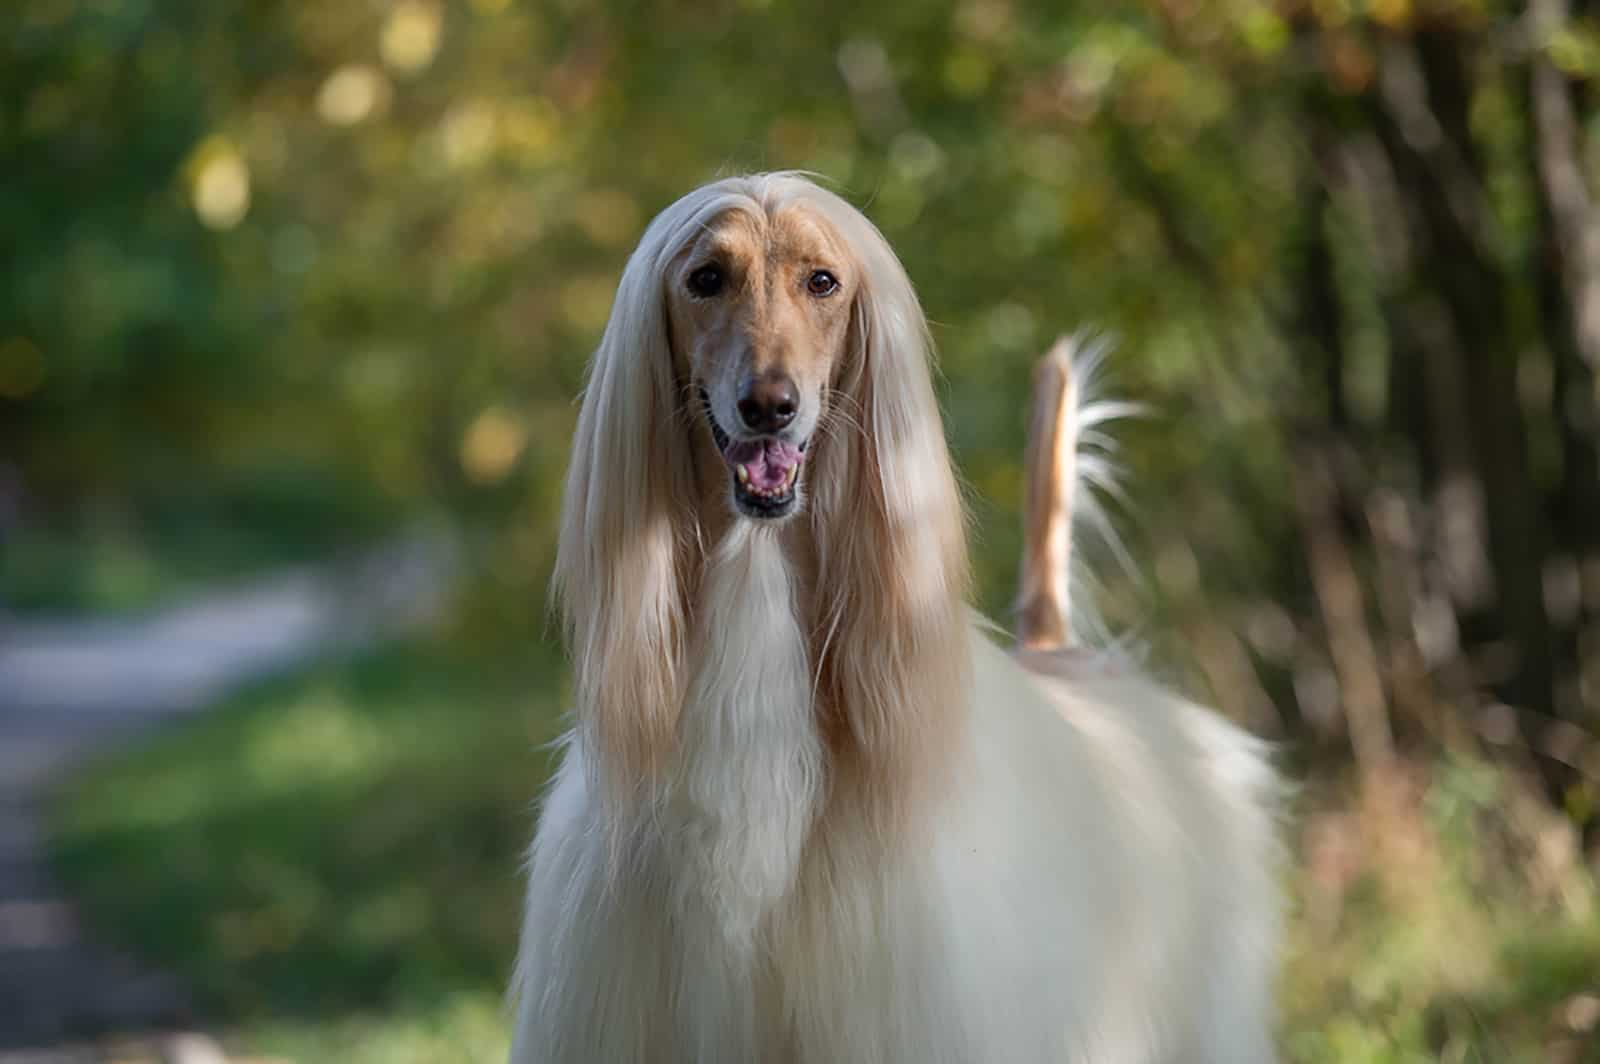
(295, 289)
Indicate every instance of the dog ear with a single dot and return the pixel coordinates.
(890, 531)
(625, 528)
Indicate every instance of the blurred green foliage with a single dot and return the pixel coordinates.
(331, 862)
(169, 538)
(381, 239)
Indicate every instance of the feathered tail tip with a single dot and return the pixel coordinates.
(1068, 457)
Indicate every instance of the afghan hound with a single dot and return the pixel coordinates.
(810, 812)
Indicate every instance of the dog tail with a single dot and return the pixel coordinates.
(1066, 456)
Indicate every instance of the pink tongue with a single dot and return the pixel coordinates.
(766, 462)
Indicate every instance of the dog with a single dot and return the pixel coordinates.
(810, 811)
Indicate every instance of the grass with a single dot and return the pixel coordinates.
(1445, 914)
(124, 556)
(332, 862)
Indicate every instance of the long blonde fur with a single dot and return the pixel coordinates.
(891, 538)
(628, 528)
(810, 812)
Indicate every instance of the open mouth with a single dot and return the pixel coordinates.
(765, 470)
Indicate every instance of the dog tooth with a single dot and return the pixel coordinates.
(744, 475)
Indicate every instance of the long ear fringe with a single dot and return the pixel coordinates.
(627, 522)
(891, 539)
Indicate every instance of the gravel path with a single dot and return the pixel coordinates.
(73, 688)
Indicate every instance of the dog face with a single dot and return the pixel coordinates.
(771, 293)
(760, 307)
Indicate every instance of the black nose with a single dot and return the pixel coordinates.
(768, 403)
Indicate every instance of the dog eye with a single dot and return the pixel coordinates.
(822, 283)
(706, 281)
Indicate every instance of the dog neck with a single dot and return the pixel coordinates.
(888, 725)
(750, 767)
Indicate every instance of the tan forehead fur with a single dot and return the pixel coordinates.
(793, 233)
